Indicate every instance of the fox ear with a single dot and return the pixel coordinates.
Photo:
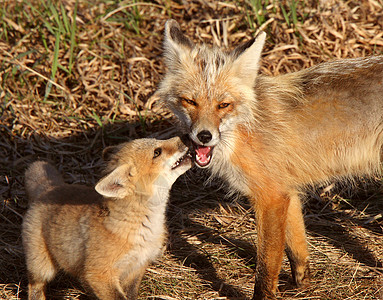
(117, 184)
(247, 58)
(175, 41)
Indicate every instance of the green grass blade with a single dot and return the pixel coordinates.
(286, 16)
(259, 12)
(65, 19)
(57, 18)
(73, 29)
(98, 120)
(293, 8)
(54, 65)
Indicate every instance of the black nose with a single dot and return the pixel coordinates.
(204, 136)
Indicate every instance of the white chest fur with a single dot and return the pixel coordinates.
(223, 167)
(149, 237)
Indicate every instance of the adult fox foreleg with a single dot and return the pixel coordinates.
(296, 243)
(271, 213)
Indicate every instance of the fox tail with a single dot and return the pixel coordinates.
(39, 177)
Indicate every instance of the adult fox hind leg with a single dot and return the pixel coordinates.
(296, 243)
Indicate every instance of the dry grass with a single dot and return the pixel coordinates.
(76, 77)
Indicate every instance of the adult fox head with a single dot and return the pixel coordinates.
(209, 90)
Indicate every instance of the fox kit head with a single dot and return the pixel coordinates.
(142, 165)
(209, 90)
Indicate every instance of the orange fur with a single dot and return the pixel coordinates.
(105, 238)
(275, 135)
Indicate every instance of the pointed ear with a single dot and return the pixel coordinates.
(246, 63)
(117, 184)
(175, 41)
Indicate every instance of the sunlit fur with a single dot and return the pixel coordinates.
(105, 238)
(281, 134)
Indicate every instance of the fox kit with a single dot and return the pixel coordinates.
(105, 236)
(269, 137)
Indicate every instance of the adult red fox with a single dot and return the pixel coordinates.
(270, 137)
(106, 239)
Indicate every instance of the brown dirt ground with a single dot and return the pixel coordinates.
(103, 92)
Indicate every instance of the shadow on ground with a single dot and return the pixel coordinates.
(79, 159)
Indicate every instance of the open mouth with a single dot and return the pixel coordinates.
(203, 155)
(182, 160)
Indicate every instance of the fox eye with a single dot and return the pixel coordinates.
(157, 152)
(223, 105)
(189, 101)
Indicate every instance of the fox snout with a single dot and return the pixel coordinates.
(204, 136)
(202, 144)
